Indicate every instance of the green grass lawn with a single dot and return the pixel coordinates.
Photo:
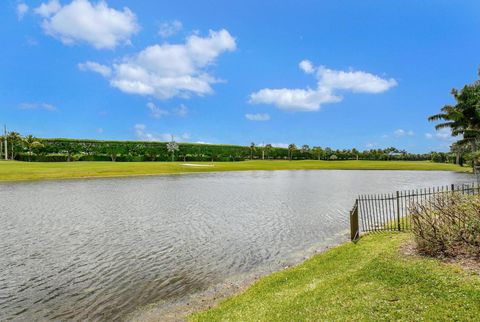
(12, 170)
(368, 281)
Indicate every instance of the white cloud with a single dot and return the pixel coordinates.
(444, 134)
(168, 29)
(170, 70)
(22, 9)
(306, 66)
(294, 99)
(142, 134)
(182, 110)
(355, 81)
(103, 70)
(37, 106)
(81, 21)
(280, 145)
(158, 112)
(47, 9)
(155, 111)
(257, 117)
(401, 132)
(371, 145)
(328, 83)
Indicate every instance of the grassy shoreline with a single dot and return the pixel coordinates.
(22, 171)
(372, 280)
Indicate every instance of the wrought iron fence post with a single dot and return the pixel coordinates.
(354, 228)
(398, 210)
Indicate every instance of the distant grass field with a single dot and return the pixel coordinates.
(368, 281)
(14, 171)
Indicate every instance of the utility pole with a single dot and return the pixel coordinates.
(6, 146)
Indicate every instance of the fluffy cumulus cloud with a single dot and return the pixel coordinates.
(329, 83)
(22, 9)
(103, 70)
(172, 70)
(141, 133)
(401, 133)
(81, 21)
(168, 29)
(47, 9)
(259, 117)
(306, 66)
(444, 135)
(37, 106)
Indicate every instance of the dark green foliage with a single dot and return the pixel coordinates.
(42, 157)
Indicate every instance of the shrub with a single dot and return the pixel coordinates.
(99, 157)
(448, 225)
(53, 157)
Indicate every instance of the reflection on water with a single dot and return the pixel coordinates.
(99, 249)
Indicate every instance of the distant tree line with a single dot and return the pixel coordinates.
(29, 148)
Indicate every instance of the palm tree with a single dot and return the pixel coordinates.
(252, 149)
(458, 149)
(14, 141)
(291, 148)
(172, 146)
(31, 143)
(268, 148)
(463, 118)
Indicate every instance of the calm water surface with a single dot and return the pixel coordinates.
(100, 249)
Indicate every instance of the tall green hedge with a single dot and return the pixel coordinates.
(61, 150)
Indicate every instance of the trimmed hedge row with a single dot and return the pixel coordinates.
(62, 150)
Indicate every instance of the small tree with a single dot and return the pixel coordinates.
(355, 153)
(267, 148)
(31, 143)
(318, 152)
(172, 146)
(14, 143)
(291, 148)
(252, 149)
(305, 149)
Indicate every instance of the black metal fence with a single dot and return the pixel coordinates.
(389, 212)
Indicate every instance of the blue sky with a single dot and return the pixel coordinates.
(343, 74)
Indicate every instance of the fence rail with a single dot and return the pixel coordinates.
(389, 212)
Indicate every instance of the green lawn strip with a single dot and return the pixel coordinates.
(368, 281)
(12, 171)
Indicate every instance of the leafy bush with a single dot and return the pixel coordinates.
(448, 225)
(53, 157)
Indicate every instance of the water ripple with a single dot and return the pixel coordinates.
(99, 249)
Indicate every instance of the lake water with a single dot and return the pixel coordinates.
(101, 249)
